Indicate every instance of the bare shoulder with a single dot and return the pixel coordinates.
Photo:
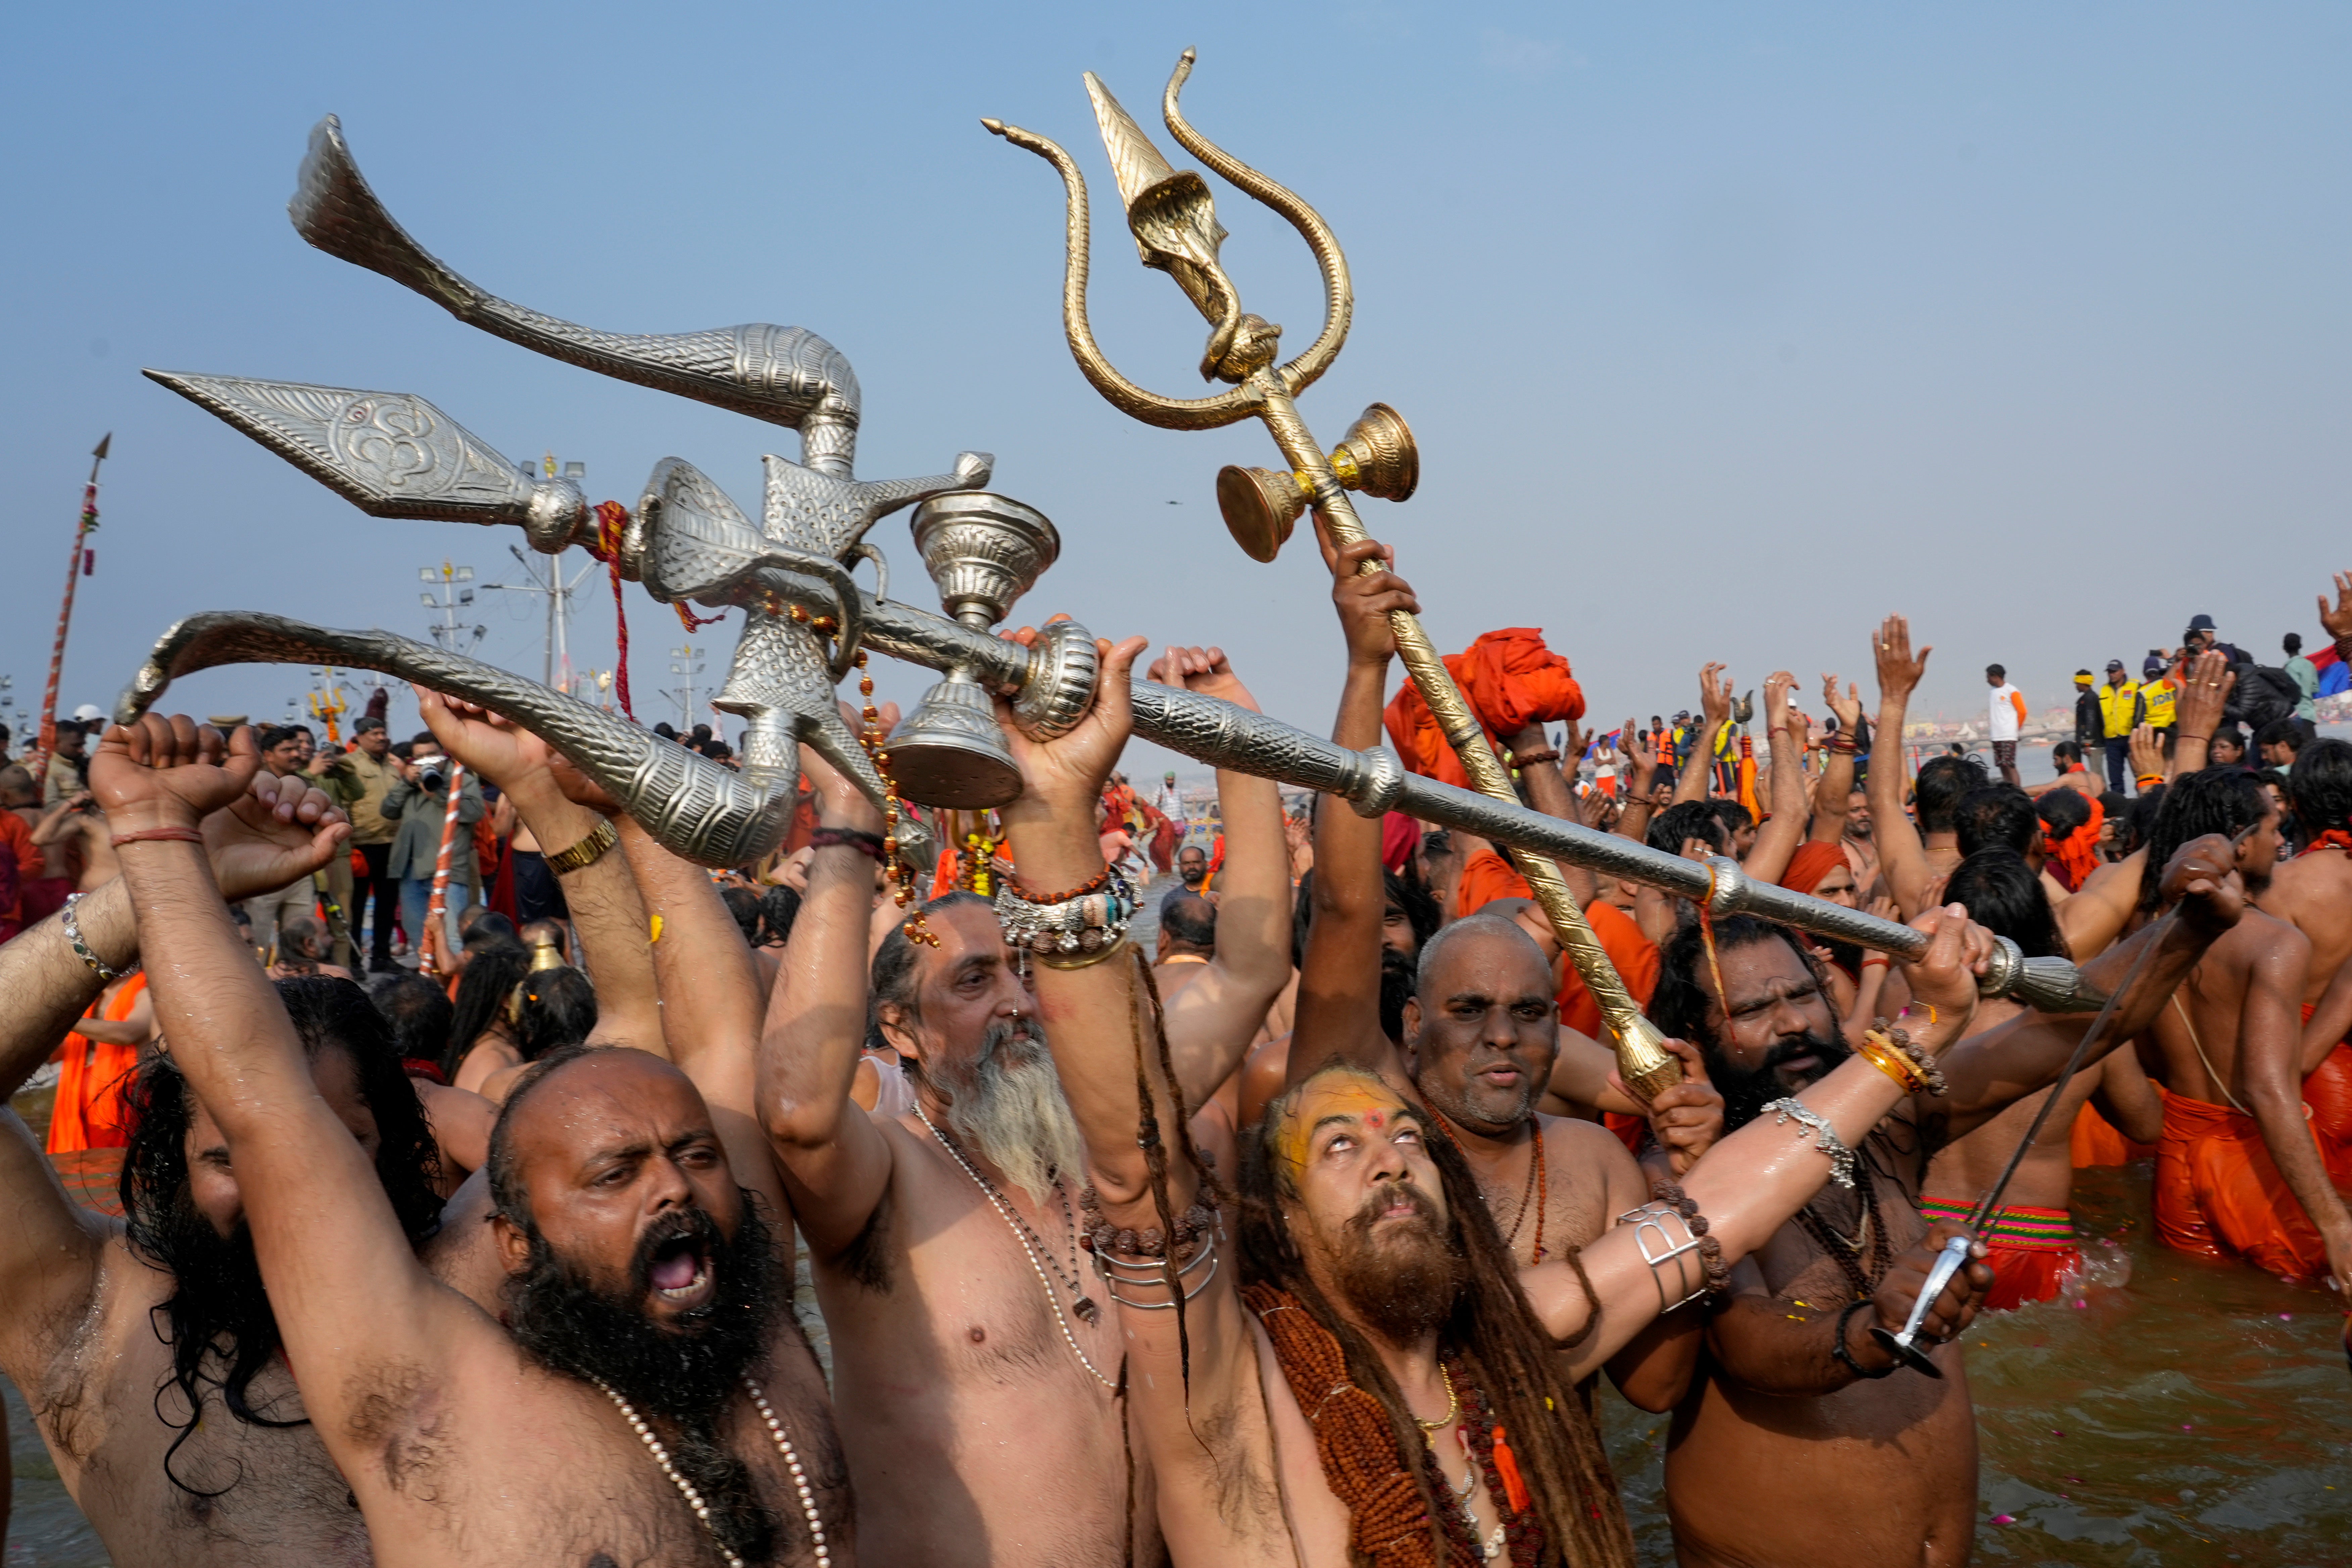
(1573, 1141)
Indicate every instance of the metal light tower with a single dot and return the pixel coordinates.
(685, 663)
(546, 579)
(457, 593)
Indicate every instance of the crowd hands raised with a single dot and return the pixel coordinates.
(1301, 1245)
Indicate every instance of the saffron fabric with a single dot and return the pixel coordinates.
(2219, 1194)
(1487, 877)
(88, 1110)
(2095, 1142)
(1812, 861)
(1510, 678)
(2032, 1251)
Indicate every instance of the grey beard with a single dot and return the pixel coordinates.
(1007, 1105)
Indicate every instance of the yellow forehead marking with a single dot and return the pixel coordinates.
(1372, 1104)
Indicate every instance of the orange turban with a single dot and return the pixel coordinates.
(2073, 859)
(1510, 678)
(1812, 861)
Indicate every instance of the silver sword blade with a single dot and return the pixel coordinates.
(785, 375)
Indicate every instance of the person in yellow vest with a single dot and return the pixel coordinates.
(2159, 695)
(2120, 711)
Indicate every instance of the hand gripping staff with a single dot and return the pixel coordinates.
(1173, 218)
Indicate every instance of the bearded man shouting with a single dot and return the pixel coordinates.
(641, 1402)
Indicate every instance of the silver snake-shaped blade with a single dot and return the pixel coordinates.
(390, 454)
(688, 803)
(785, 375)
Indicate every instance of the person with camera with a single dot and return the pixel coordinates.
(419, 801)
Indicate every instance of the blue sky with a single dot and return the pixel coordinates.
(1725, 329)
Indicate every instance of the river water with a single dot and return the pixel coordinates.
(2199, 1413)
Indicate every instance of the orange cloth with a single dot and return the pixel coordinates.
(2219, 1194)
(29, 861)
(2021, 1275)
(2328, 1092)
(2095, 1142)
(1487, 877)
(2074, 858)
(1510, 678)
(1812, 861)
(88, 1111)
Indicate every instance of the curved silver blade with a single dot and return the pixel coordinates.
(391, 453)
(690, 804)
(785, 375)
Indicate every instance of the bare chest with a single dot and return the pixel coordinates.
(163, 1483)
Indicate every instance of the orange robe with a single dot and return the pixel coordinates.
(2032, 1251)
(2219, 1194)
(2095, 1142)
(1487, 877)
(88, 1113)
(2328, 1092)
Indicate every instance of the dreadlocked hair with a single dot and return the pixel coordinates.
(496, 968)
(1492, 1329)
(218, 1319)
(2218, 799)
(1678, 1006)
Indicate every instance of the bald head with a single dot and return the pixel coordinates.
(580, 1105)
(1478, 941)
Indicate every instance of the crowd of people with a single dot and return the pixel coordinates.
(1303, 1237)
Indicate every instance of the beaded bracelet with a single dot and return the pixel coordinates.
(1917, 1054)
(1094, 884)
(857, 838)
(1094, 924)
(1846, 1356)
(70, 920)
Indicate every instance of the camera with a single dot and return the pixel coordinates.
(432, 773)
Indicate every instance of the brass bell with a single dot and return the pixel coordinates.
(1261, 505)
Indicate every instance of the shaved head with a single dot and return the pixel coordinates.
(1478, 930)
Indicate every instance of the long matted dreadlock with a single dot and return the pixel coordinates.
(1491, 1329)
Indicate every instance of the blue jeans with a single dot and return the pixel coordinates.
(415, 893)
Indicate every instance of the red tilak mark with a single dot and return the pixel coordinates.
(1372, 1121)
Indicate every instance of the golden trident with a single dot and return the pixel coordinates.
(1175, 224)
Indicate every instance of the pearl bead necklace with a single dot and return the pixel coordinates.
(693, 1497)
(1052, 1301)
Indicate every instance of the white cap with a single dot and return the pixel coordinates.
(87, 712)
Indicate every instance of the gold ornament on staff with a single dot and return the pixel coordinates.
(1174, 220)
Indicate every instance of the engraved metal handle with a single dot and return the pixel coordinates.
(1904, 1346)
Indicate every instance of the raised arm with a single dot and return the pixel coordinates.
(712, 1007)
(1834, 795)
(836, 1160)
(49, 1248)
(1749, 1184)
(1777, 839)
(1902, 859)
(1640, 761)
(1339, 1010)
(550, 797)
(1715, 706)
(2206, 684)
(1212, 1021)
(349, 1297)
(1993, 1070)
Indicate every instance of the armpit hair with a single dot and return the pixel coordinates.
(867, 1259)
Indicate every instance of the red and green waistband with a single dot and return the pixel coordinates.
(2024, 1229)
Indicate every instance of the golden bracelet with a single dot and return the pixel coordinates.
(1879, 1053)
(587, 852)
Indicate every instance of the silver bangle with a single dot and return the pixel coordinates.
(1825, 1138)
(1090, 923)
(1645, 1223)
(71, 921)
(1144, 1274)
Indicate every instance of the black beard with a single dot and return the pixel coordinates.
(1747, 1093)
(1405, 1287)
(1397, 974)
(1194, 878)
(687, 1371)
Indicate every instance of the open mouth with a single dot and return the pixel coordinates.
(680, 1274)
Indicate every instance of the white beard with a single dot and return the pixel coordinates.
(1008, 1106)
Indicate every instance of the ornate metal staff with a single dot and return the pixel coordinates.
(1174, 222)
